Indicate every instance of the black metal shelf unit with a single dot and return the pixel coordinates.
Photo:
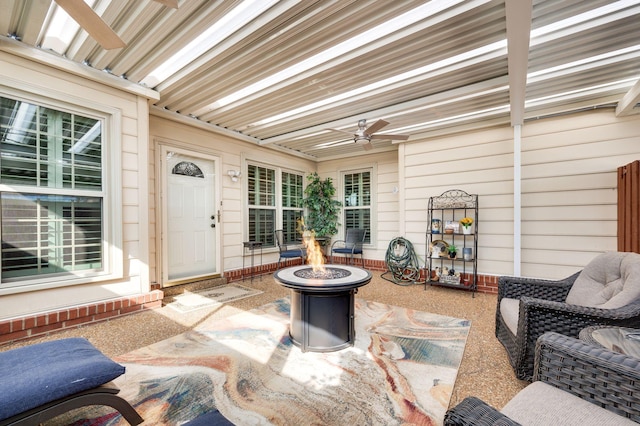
(444, 229)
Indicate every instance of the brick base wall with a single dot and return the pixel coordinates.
(486, 283)
(37, 325)
(40, 324)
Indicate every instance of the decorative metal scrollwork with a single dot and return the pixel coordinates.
(455, 198)
(187, 168)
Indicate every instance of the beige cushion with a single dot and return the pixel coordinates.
(611, 280)
(509, 309)
(540, 404)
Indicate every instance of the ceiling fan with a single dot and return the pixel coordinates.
(364, 134)
(93, 24)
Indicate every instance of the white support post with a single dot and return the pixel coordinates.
(517, 199)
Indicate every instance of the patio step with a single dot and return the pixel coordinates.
(171, 292)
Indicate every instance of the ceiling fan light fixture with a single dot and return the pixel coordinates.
(364, 134)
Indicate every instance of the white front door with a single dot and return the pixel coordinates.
(190, 246)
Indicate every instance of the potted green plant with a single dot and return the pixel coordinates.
(322, 208)
(453, 251)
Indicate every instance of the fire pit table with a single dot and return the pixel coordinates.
(322, 305)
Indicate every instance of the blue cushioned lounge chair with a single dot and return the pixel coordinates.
(44, 380)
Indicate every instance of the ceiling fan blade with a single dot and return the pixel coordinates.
(375, 127)
(169, 3)
(367, 146)
(92, 23)
(392, 137)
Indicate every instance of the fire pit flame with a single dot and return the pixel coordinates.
(315, 257)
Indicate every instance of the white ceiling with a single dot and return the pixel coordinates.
(427, 67)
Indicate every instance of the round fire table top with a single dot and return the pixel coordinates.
(335, 278)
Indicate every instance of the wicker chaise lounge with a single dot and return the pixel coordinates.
(575, 384)
(606, 292)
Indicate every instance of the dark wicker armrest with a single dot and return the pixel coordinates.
(517, 287)
(540, 316)
(475, 412)
(607, 379)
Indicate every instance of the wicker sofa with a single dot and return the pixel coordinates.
(576, 383)
(605, 292)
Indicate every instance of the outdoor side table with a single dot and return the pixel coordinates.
(616, 339)
(252, 246)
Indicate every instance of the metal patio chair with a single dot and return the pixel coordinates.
(286, 252)
(351, 245)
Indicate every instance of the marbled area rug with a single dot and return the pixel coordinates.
(400, 371)
(216, 296)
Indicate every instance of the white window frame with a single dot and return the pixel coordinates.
(276, 200)
(111, 118)
(372, 232)
(279, 208)
(300, 209)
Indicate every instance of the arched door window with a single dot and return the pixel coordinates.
(187, 168)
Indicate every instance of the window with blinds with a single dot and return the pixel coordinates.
(261, 183)
(265, 187)
(292, 193)
(51, 191)
(357, 204)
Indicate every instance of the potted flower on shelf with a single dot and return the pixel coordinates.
(466, 223)
(453, 251)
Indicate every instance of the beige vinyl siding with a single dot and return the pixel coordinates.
(385, 203)
(153, 210)
(388, 195)
(569, 188)
(130, 114)
(476, 162)
(233, 213)
(234, 155)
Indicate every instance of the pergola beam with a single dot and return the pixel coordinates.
(629, 101)
(518, 16)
